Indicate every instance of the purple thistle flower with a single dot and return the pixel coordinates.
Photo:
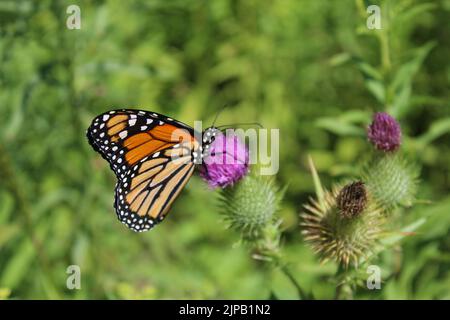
(384, 132)
(227, 162)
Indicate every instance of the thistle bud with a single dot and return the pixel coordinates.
(250, 205)
(330, 232)
(391, 180)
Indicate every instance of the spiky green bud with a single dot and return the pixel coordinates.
(250, 205)
(391, 179)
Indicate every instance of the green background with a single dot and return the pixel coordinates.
(310, 68)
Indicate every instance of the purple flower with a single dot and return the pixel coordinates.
(227, 162)
(384, 132)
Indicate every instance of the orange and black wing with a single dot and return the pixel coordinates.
(151, 157)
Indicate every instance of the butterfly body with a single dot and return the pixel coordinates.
(153, 157)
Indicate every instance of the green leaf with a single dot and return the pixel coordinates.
(339, 59)
(373, 79)
(438, 219)
(18, 266)
(367, 70)
(401, 84)
(404, 232)
(377, 89)
(356, 116)
(339, 127)
(437, 129)
(7, 232)
(412, 12)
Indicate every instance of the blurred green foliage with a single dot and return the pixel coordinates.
(310, 68)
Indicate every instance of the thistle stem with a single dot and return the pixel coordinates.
(344, 290)
(290, 276)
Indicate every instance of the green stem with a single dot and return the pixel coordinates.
(384, 37)
(344, 289)
(385, 52)
(271, 253)
(290, 276)
(361, 8)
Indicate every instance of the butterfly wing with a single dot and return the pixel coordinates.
(144, 196)
(151, 157)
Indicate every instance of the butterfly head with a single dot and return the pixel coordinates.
(209, 135)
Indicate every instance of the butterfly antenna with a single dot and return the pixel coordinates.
(218, 114)
(226, 126)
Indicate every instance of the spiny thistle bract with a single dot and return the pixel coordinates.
(391, 179)
(333, 236)
(250, 205)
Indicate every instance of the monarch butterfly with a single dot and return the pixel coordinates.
(153, 157)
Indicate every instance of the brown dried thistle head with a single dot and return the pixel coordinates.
(352, 199)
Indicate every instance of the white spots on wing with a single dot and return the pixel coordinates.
(119, 160)
(115, 148)
(132, 116)
(149, 121)
(155, 155)
(102, 125)
(132, 122)
(135, 222)
(143, 128)
(161, 122)
(102, 135)
(105, 117)
(123, 134)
